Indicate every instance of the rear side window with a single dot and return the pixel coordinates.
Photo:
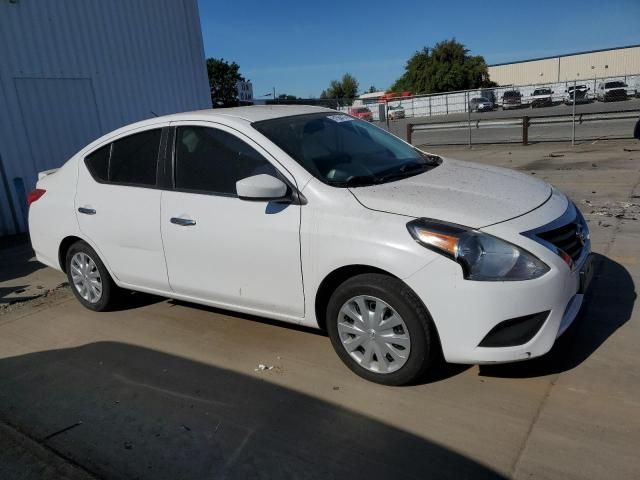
(130, 160)
(212, 161)
(134, 159)
(98, 163)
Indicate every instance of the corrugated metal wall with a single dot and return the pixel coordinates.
(607, 63)
(72, 70)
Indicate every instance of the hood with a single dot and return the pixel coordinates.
(468, 194)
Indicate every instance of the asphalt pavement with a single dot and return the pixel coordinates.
(167, 390)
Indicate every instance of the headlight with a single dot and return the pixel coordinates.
(481, 256)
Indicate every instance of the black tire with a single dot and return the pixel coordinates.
(414, 314)
(110, 291)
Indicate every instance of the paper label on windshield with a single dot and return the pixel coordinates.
(340, 118)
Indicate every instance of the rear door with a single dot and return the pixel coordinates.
(118, 207)
(218, 247)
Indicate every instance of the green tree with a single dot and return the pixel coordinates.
(372, 89)
(284, 96)
(223, 77)
(444, 68)
(345, 88)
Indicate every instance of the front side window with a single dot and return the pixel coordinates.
(343, 151)
(212, 161)
(134, 159)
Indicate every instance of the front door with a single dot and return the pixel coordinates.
(220, 248)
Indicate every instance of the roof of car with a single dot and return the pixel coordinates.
(249, 114)
(253, 113)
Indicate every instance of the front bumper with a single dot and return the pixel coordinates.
(541, 102)
(464, 311)
(615, 95)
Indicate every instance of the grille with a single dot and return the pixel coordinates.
(566, 239)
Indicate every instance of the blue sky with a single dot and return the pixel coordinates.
(298, 46)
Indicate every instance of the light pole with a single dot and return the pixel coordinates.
(573, 122)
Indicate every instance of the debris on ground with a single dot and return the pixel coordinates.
(620, 210)
(556, 155)
(9, 304)
(262, 367)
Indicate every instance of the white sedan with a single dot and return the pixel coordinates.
(313, 217)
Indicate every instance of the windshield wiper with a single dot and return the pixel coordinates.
(407, 170)
(356, 181)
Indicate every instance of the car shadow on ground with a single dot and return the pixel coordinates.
(122, 411)
(608, 306)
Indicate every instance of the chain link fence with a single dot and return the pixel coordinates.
(501, 98)
(579, 110)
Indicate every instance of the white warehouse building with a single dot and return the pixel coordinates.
(607, 63)
(72, 70)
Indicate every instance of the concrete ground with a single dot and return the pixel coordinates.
(168, 390)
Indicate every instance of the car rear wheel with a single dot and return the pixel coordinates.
(380, 329)
(89, 279)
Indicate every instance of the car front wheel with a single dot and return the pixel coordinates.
(380, 329)
(89, 279)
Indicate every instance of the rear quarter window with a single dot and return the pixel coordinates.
(98, 163)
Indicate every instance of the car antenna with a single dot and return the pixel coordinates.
(153, 113)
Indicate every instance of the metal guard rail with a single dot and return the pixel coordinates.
(525, 121)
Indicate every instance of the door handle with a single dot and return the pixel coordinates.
(87, 211)
(183, 222)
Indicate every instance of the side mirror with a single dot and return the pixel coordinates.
(261, 187)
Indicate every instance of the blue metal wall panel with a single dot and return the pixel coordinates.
(135, 57)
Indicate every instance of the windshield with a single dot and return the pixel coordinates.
(511, 93)
(479, 100)
(542, 91)
(614, 85)
(343, 151)
(360, 110)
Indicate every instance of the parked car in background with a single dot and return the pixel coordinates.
(363, 113)
(313, 217)
(490, 95)
(511, 99)
(612, 91)
(581, 94)
(480, 104)
(542, 97)
(396, 112)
